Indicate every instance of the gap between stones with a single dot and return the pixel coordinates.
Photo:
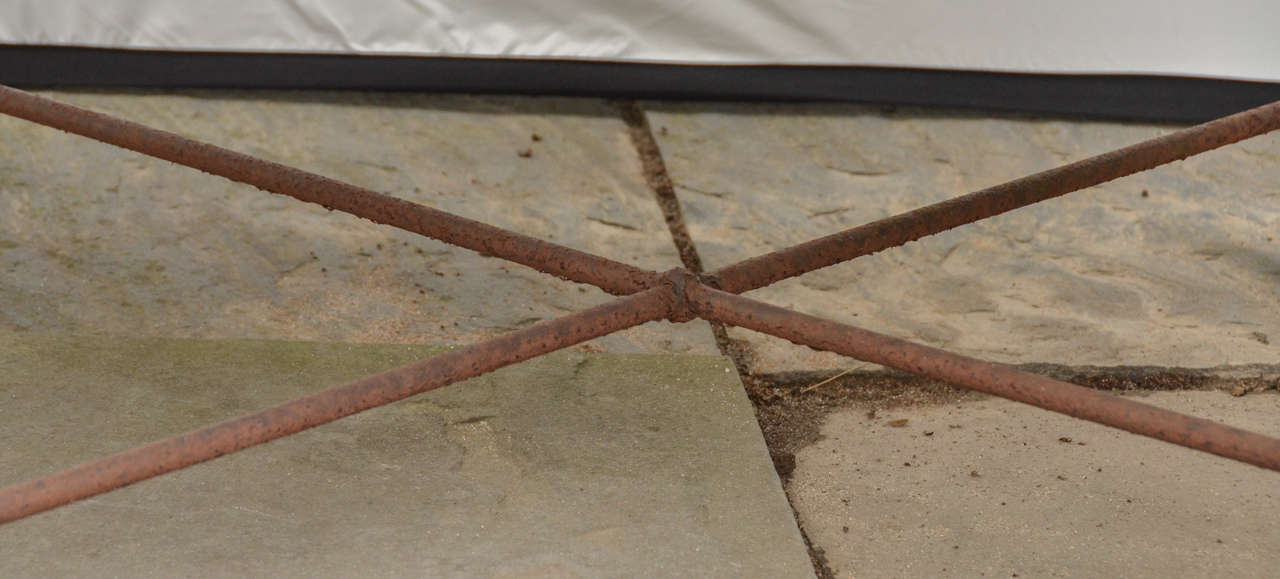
(659, 181)
(790, 411)
(664, 192)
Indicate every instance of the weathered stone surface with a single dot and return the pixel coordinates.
(999, 488)
(1177, 266)
(97, 240)
(565, 466)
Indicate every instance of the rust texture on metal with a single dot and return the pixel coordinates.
(988, 377)
(678, 295)
(612, 276)
(184, 450)
(906, 227)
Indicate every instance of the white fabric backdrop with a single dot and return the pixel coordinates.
(1223, 39)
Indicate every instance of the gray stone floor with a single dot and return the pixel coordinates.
(98, 240)
(1175, 267)
(1178, 266)
(570, 465)
(994, 488)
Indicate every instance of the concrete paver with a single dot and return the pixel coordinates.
(1177, 266)
(570, 465)
(996, 488)
(1173, 267)
(97, 240)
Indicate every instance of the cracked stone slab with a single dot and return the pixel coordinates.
(98, 240)
(996, 488)
(1176, 266)
(569, 465)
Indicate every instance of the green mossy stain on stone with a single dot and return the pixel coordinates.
(665, 454)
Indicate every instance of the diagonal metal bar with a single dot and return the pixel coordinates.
(207, 443)
(988, 377)
(612, 276)
(676, 295)
(866, 239)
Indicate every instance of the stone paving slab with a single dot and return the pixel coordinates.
(97, 240)
(995, 488)
(569, 465)
(1177, 266)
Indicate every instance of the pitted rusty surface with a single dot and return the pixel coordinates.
(677, 295)
(677, 280)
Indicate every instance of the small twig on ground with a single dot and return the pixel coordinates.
(813, 386)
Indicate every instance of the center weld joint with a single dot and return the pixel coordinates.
(680, 280)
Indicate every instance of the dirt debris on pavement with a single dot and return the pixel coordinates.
(791, 413)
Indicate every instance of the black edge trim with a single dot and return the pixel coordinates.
(1138, 97)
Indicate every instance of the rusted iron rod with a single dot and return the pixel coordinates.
(893, 231)
(184, 450)
(614, 277)
(988, 377)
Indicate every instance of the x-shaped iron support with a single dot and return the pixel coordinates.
(676, 295)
